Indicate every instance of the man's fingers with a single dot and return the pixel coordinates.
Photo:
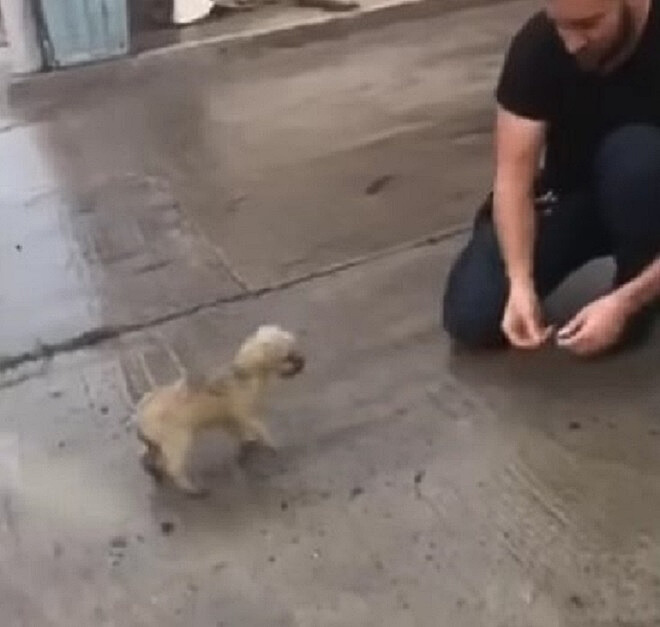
(569, 330)
(572, 340)
(547, 334)
(575, 335)
(517, 336)
(581, 347)
(526, 334)
(581, 343)
(538, 334)
(527, 343)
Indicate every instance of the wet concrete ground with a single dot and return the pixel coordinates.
(170, 206)
(124, 170)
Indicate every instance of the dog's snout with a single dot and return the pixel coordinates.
(296, 362)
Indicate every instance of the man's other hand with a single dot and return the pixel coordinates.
(597, 327)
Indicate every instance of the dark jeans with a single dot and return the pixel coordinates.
(619, 216)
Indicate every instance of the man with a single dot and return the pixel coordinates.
(581, 87)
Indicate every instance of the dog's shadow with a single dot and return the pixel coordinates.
(237, 480)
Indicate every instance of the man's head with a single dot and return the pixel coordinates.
(595, 32)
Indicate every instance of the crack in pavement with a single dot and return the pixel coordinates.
(225, 262)
(104, 333)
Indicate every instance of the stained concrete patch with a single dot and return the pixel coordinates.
(118, 253)
(321, 229)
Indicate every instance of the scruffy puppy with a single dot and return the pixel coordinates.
(169, 417)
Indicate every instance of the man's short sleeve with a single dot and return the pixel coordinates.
(525, 83)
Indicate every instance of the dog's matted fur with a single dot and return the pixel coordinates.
(169, 417)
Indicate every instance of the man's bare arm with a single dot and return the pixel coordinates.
(644, 289)
(518, 149)
(518, 146)
(601, 324)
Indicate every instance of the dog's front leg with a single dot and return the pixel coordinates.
(252, 431)
(253, 435)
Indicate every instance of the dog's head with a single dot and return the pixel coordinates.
(270, 350)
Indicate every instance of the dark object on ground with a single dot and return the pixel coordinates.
(356, 491)
(166, 527)
(377, 185)
(576, 601)
(119, 542)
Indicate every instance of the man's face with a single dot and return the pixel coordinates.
(593, 31)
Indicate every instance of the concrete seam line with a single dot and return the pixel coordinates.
(102, 334)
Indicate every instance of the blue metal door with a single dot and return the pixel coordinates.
(80, 31)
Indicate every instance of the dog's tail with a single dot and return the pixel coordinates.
(143, 438)
(144, 399)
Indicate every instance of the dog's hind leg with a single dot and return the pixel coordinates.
(152, 463)
(175, 452)
(151, 459)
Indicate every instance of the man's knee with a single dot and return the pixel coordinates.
(475, 295)
(469, 326)
(627, 186)
(627, 168)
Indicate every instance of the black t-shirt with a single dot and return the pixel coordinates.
(540, 80)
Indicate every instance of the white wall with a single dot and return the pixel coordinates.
(21, 32)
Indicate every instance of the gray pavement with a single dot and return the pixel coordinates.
(156, 212)
(237, 147)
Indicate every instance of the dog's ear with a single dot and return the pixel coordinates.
(268, 329)
(267, 332)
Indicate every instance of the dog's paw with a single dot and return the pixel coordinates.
(190, 489)
(261, 461)
(198, 493)
(194, 491)
(253, 449)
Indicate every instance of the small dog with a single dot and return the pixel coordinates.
(169, 417)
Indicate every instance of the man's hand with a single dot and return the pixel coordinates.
(523, 322)
(597, 327)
